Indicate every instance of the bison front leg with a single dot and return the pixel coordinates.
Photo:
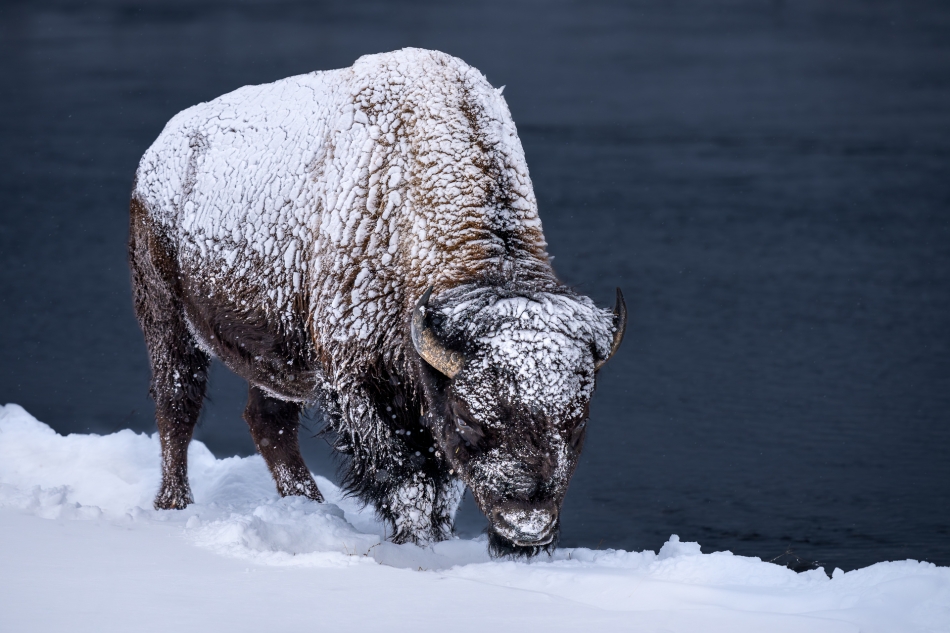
(422, 508)
(392, 462)
(274, 425)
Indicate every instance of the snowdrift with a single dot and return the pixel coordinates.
(81, 549)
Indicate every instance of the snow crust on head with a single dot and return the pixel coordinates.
(531, 349)
(106, 481)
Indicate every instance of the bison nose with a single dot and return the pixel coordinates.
(525, 525)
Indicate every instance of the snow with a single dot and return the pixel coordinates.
(82, 550)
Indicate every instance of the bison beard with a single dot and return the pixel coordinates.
(367, 240)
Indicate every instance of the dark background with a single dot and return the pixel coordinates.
(767, 181)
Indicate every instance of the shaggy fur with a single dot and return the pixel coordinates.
(288, 229)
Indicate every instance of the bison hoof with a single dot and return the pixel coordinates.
(173, 498)
(314, 495)
(302, 488)
(422, 540)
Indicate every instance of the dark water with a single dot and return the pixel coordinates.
(769, 182)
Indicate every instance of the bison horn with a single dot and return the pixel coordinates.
(427, 344)
(620, 326)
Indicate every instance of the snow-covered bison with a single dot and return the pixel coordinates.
(368, 240)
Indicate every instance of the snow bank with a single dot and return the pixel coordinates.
(82, 549)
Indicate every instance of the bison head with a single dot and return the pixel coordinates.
(508, 376)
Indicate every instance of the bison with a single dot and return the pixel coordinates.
(367, 240)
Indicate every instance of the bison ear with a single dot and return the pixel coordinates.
(427, 344)
(620, 326)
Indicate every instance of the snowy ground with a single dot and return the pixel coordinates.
(82, 550)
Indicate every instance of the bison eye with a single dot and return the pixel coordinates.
(469, 432)
(578, 434)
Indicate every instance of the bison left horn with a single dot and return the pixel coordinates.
(427, 344)
(620, 326)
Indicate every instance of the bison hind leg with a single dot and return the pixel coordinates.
(274, 425)
(179, 366)
(178, 388)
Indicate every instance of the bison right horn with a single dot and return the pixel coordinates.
(427, 344)
(620, 326)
